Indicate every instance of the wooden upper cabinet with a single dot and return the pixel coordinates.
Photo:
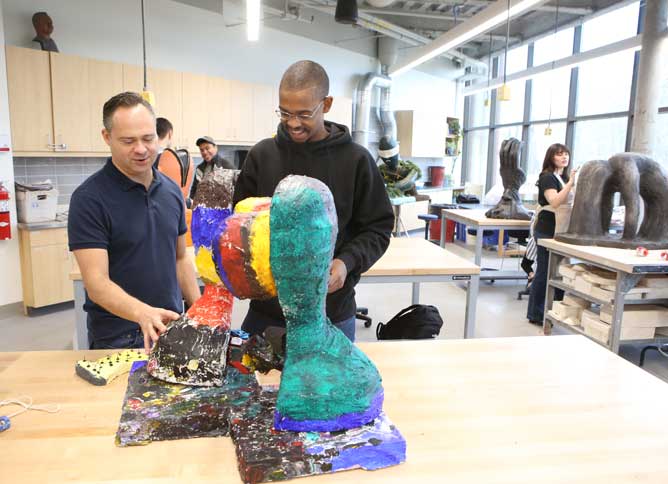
(105, 79)
(71, 102)
(421, 134)
(29, 87)
(241, 112)
(167, 86)
(219, 105)
(195, 109)
(341, 111)
(264, 116)
(133, 78)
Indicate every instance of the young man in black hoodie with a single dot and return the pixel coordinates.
(306, 144)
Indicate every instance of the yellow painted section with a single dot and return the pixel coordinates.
(205, 266)
(259, 247)
(250, 204)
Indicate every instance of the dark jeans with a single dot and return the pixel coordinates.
(131, 339)
(536, 308)
(255, 323)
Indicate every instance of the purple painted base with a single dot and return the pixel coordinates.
(267, 455)
(342, 422)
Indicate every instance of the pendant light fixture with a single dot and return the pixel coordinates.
(503, 92)
(548, 130)
(346, 11)
(146, 94)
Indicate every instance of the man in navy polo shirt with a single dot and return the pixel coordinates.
(127, 231)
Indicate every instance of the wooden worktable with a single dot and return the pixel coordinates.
(476, 220)
(407, 259)
(512, 410)
(624, 260)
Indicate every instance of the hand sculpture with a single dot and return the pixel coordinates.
(513, 177)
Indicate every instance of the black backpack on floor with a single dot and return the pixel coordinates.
(418, 321)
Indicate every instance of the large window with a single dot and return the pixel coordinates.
(604, 84)
(553, 47)
(610, 27)
(549, 94)
(598, 139)
(539, 142)
(512, 111)
(596, 126)
(476, 147)
(478, 111)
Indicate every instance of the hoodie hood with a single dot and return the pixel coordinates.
(338, 134)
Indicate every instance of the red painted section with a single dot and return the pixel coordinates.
(214, 308)
(235, 261)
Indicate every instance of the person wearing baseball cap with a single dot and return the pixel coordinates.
(210, 159)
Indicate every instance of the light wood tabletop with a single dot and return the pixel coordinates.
(404, 256)
(417, 256)
(511, 410)
(477, 217)
(624, 260)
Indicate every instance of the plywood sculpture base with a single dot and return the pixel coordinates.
(266, 455)
(156, 410)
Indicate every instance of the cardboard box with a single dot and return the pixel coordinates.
(36, 206)
(600, 331)
(564, 311)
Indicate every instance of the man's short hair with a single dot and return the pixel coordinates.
(123, 100)
(303, 75)
(163, 127)
(36, 16)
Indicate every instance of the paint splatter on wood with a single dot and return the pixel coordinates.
(267, 455)
(156, 410)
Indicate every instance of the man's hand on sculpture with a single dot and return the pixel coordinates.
(337, 276)
(152, 322)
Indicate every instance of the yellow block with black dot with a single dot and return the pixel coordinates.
(102, 371)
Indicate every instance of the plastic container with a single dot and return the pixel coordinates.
(36, 206)
(436, 175)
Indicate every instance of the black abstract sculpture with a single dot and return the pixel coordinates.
(510, 206)
(638, 179)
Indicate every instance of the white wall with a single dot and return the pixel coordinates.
(10, 282)
(180, 37)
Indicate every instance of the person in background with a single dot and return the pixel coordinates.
(165, 131)
(210, 159)
(555, 190)
(306, 144)
(43, 29)
(126, 228)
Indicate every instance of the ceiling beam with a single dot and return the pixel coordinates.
(484, 21)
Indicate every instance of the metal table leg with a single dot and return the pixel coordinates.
(416, 293)
(478, 245)
(443, 223)
(552, 267)
(471, 301)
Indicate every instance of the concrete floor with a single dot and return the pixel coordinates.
(499, 313)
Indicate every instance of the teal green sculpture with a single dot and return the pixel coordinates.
(327, 383)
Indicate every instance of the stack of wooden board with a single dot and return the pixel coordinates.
(638, 322)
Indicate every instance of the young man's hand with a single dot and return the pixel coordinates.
(337, 276)
(152, 322)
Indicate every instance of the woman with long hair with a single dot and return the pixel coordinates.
(555, 185)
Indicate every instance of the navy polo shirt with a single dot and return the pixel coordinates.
(139, 229)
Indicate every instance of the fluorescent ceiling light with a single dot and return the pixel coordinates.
(480, 23)
(253, 8)
(630, 44)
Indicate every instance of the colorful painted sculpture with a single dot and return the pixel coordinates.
(327, 383)
(193, 349)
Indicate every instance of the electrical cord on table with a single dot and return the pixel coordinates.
(24, 401)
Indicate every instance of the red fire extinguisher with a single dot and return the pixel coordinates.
(5, 223)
